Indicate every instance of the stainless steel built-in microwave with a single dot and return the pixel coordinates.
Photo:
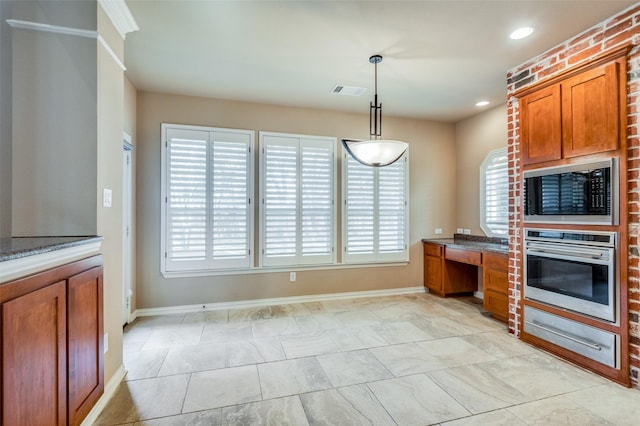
(585, 193)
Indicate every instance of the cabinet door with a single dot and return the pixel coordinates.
(590, 111)
(433, 267)
(541, 125)
(85, 325)
(34, 358)
(496, 285)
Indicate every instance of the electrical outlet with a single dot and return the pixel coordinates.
(467, 231)
(292, 276)
(438, 231)
(459, 230)
(106, 342)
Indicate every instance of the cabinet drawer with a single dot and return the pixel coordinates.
(496, 303)
(464, 256)
(591, 342)
(432, 249)
(496, 261)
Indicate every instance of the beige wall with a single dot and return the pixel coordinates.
(5, 120)
(110, 103)
(475, 137)
(53, 123)
(432, 189)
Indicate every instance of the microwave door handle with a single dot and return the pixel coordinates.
(573, 253)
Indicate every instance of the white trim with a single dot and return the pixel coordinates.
(133, 317)
(28, 265)
(109, 390)
(120, 15)
(478, 294)
(77, 32)
(242, 304)
(111, 53)
(269, 270)
(127, 138)
(57, 29)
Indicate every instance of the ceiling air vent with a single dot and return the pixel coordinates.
(339, 89)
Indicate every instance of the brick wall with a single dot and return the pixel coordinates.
(620, 30)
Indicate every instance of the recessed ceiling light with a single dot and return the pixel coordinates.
(521, 33)
(482, 103)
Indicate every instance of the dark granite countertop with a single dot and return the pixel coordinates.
(19, 247)
(473, 242)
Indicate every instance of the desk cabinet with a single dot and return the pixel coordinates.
(433, 260)
(444, 272)
(51, 357)
(496, 285)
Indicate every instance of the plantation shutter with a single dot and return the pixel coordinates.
(375, 214)
(297, 200)
(495, 193)
(360, 209)
(317, 201)
(208, 215)
(231, 210)
(393, 209)
(280, 201)
(186, 203)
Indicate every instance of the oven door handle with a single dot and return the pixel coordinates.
(596, 254)
(565, 336)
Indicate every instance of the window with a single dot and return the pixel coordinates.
(375, 216)
(297, 209)
(207, 187)
(494, 194)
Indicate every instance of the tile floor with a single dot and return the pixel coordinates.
(396, 360)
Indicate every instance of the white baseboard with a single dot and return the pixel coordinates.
(109, 391)
(479, 294)
(241, 304)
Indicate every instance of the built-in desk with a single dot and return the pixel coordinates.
(451, 269)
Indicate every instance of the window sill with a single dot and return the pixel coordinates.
(269, 270)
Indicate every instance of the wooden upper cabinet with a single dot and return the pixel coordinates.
(590, 111)
(541, 125)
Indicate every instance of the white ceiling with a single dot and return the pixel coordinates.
(440, 57)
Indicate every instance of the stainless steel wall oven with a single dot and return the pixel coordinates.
(572, 270)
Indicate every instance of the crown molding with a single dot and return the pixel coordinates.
(36, 26)
(120, 15)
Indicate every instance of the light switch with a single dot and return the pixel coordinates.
(106, 197)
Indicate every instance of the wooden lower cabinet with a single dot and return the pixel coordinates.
(85, 343)
(454, 271)
(51, 362)
(433, 263)
(495, 272)
(445, 273)
(34, 358)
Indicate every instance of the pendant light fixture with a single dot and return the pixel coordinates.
(376, 152)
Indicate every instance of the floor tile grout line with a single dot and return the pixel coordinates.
(327, 332)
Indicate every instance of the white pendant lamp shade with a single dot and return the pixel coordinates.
(376, 152)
